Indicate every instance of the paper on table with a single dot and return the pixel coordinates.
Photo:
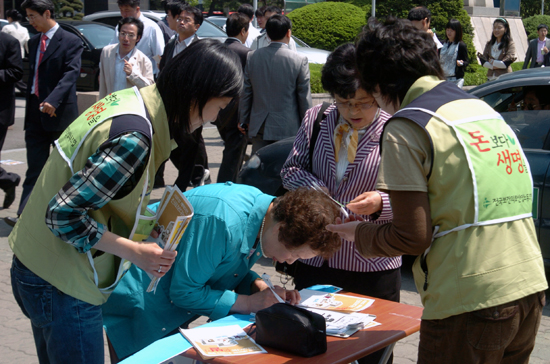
(222, 341)
(170, 346)
(333, 302)
(344, 324)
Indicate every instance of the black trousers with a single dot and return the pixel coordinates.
(190, 160)
(384, 284)
(235, 144)
(7, 179)
(38, 142)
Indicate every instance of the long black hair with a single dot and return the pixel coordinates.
(506, 37)
(457, 27)
(205, 70)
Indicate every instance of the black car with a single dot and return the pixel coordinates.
(94, 37)
(505, 95)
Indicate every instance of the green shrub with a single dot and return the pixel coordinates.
(530, 24)
(315, 78)
(327, 25)
(477, 76)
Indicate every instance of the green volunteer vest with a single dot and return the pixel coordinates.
(91, 277)
(479, 184)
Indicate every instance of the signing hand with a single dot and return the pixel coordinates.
(46, 108)
(366, 203)
(127, 68)
(290, 296)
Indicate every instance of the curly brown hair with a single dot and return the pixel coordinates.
(304, 214)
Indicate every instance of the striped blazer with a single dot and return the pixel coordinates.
(360, 176)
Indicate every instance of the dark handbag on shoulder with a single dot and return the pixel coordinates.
(291, 329)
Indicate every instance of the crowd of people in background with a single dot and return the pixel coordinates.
(160, 83)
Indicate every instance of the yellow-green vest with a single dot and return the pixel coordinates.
(485, 250)
(58, 262)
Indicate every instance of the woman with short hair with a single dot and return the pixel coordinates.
(75, 237)
(233, 226)
(344, 163)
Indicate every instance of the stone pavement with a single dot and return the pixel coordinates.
(16, 342)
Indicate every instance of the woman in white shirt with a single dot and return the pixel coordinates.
(500, 51)
(15, 29)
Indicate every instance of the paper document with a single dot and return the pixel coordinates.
(221, 341)
(333, 301)
(174, 213)
(345, 324)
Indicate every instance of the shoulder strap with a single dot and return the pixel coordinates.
(315, 134)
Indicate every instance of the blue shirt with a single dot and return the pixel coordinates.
(212, 267)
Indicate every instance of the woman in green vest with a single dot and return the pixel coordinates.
(81, 228)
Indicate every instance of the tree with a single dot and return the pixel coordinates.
(533, 7)
(326, 25)
(69, 9)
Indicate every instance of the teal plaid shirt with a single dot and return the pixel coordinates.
(114, 165)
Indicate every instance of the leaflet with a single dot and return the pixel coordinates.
(174, 214)
(230, 340)
(333, 301)
(345, 324)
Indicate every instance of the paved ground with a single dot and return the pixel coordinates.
(16, 343)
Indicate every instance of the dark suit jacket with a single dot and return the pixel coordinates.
(532, 51)
(229, 117)
(57, 75)
(236, 46)
(11, 71)
(169, 51)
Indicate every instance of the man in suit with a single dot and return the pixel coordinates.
(188, 20)
(152, 41)
(538, 48)
(123, 65)
(191, 160)
(237, 27)
(54, 67)
(253, 33)
(11, 71)
(264, 40)
(276, 91)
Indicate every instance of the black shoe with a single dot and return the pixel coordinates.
(10, 193)
(11, 221)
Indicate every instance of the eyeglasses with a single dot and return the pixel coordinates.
(350, 106)
(185, 20)
(129, 35)
(31, 17)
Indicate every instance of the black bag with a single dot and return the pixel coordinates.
(291, 329)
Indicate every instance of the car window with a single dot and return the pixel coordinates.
(300, 43)
(98, 35)
(109, 20)
(531, 126)
(208, 29)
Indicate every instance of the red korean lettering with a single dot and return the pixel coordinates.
(480, 140)
(507, 160)
(516, 157)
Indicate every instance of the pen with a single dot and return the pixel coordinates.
(267, 281)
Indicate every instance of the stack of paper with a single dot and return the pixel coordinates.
(221, 341)
(333, 301)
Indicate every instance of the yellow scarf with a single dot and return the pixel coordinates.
(341, 129)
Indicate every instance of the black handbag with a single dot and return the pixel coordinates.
(291, 329)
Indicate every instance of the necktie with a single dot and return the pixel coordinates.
(341, 131)
(42, 51)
